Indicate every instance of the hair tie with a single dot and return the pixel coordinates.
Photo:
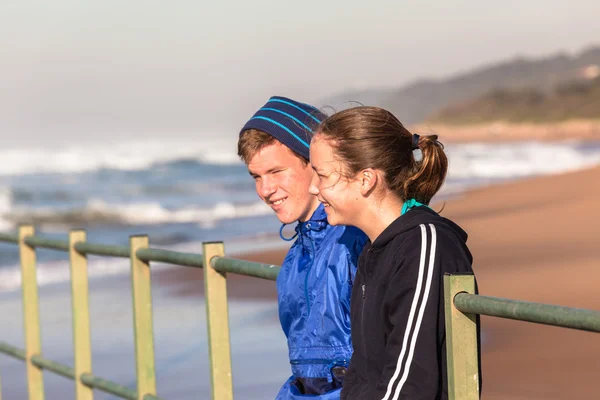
(415, 141)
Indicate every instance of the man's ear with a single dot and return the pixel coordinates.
(368, 180)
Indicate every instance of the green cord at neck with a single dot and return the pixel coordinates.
(410, 203)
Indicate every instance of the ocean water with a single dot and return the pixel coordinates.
(183, 193)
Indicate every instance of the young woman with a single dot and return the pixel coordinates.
(367, 176)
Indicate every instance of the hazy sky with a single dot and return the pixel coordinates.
(124, 68)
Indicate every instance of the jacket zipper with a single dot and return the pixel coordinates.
(362, 306)
(312, 260)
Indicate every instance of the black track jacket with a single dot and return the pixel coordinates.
(397, 309)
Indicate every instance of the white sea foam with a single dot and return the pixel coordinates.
(136, 155)
(515, 160)
(98, 211)
(470, 165)
(5, 208)
(467, 160)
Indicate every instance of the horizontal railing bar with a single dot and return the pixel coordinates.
(39, 361)
(231, 265)
(171, 257)
(248, 268)
(68, 372)
(13, 351)
(113, 388)
(102, 249)
(63, 245)
(47, 243)
(108, 386)
(53, 366)
(9, 237)
(566, 317)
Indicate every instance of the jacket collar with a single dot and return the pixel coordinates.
(317, 222)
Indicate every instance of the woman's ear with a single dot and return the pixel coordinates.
(368, 180)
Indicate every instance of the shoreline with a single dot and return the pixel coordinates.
(501, 131)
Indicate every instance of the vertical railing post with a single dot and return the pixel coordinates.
(142, 319)
(461, 341)
(82, 348)
(217, 321)
(31, 311)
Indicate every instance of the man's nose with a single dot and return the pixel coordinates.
(267, 187)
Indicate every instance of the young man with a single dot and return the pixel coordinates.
(315, 281)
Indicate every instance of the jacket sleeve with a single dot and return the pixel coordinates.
(353, 241)
(414, 363)
(360, 239)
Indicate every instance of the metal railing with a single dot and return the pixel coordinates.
(215, 266)
(461, 307)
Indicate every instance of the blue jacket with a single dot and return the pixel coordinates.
(314, 288)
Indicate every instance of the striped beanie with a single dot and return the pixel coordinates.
(290, 122)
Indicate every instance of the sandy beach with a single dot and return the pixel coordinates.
(533, 240)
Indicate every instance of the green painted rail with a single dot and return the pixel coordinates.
(9, 237)
(461, 308)
(68, 372)
(47, 243)
(96, 249)
(546, 314)
(242, 267)
(13, 351)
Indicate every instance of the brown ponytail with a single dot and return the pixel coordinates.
(431, 171)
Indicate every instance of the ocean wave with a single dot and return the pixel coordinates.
(169, 190)
(5, 208)
(97, 212)
(517, 160)
(127, 156)
(491, 160)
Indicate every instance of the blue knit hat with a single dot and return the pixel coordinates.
(290, 122)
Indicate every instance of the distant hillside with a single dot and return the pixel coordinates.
(416, 101)
(574, 100)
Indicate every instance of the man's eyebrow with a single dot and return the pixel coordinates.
(269, 171)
